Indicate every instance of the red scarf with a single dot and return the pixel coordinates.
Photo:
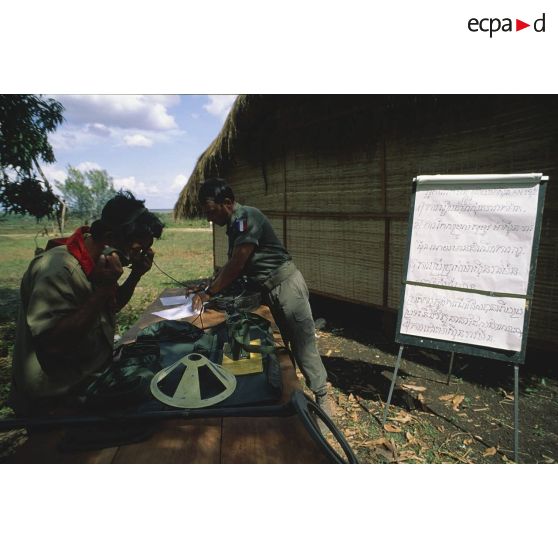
(76, 247)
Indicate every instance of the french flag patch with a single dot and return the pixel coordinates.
(242, 224)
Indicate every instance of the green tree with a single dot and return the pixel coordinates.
(87, 193)
(102, 189)
(25, 122)
(77, 195)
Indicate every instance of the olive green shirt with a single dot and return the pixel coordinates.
(55, 286)
(248, 225)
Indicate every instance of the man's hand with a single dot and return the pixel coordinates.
(142, 262)
(198, 300)
(107, 270)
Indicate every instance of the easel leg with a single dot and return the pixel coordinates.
(516, 412)
(386, 408)
(450, 369)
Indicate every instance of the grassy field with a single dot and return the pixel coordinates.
(184, 252)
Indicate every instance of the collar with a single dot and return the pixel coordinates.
(76, 247)
(237, 209)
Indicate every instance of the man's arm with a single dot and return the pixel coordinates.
(229, 272)
(140, 266)
(72, 328)
(233, 268)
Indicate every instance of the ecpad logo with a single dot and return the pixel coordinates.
(493, 25)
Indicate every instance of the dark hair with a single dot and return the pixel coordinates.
(215, 188)
(127, 218)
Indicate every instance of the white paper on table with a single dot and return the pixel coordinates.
(173, 300)
(182, 311)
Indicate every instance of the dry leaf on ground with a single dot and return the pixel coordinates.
(402, 417)
(410, 438)
(372, 443)
(456, 401)
(489, 452)
(413, 387)
(447, 397)
(408, 454)
(392, 428)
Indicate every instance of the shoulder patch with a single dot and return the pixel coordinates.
(241, 224)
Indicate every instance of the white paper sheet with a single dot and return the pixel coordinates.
(173, 300)
(474, 238)
(182, 311)
(469, 318)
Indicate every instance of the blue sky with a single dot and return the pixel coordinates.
(149, 144)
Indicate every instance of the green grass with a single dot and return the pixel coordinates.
(186, 255)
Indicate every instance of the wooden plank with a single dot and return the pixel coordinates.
(42, 447)
(271, 439)
(192, 441)
(268, 440)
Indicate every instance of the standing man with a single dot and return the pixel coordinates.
(255, 251)
(69, 299)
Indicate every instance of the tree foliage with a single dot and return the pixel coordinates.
(25, 122)
(86, 193)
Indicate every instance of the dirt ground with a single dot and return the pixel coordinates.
(471, 420)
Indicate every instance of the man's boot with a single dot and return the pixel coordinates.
(327, 405)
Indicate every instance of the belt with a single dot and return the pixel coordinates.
(279, 275)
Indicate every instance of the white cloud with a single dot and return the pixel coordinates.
(98, 129)
(219, 105)
(138, 140)
(87, 166)
(144, 112)
(54, 173)
(135, 186)
(67, 140)
(178, 183)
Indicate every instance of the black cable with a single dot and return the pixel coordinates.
(170, 276)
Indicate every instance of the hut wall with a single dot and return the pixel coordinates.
(337, 186)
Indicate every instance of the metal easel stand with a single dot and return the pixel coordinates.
(450, 369)
(515, 397)
(516, 413)
(393, 380)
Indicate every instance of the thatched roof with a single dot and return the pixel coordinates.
(259, 125)
(212, 159)
(253, 118)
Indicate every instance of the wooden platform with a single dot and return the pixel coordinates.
(214, 440)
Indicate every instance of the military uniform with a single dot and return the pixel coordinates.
(283, 288)
(53, 287)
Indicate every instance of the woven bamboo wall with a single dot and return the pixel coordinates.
(334, 180)
(492, 138)
(339, 258)
(362, 162)
(397, 246)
